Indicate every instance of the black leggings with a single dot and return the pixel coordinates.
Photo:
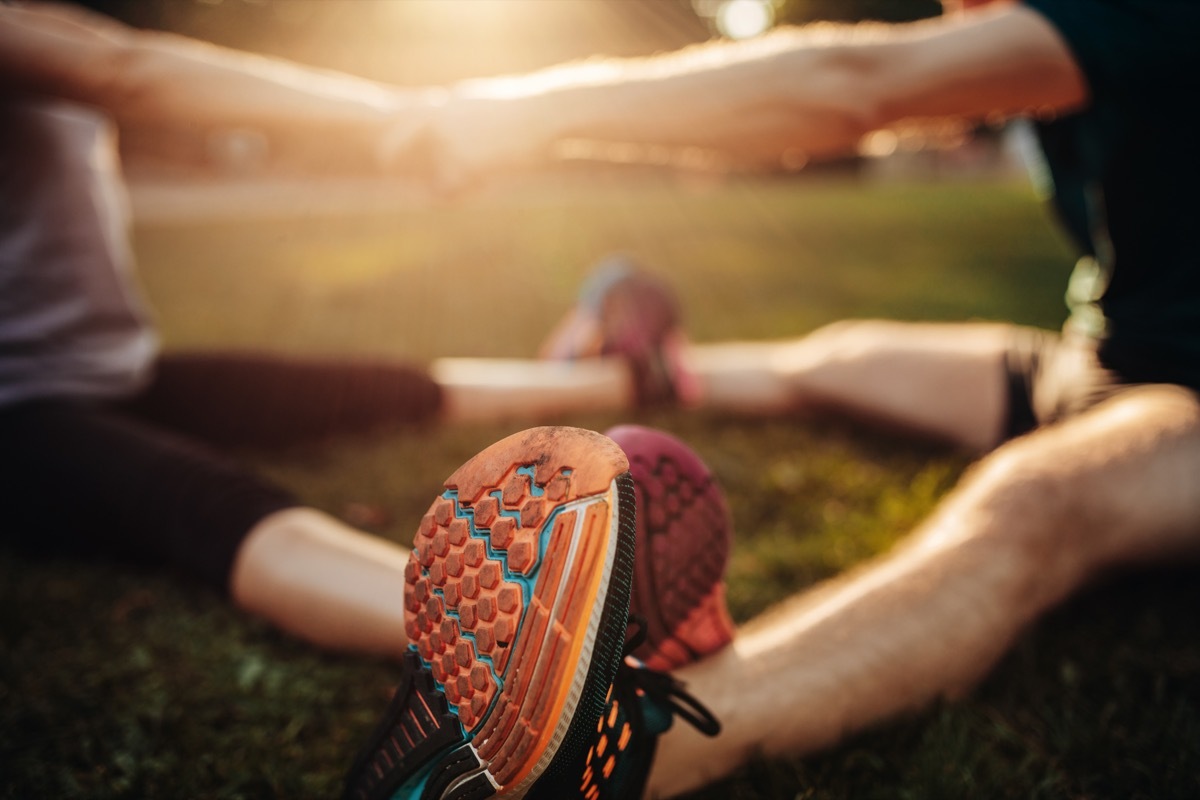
(144, 479)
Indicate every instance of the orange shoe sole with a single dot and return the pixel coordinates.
(516, 600)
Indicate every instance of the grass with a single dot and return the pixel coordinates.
(121, 683)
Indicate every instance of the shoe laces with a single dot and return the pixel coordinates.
(662, 688)
(641, 706)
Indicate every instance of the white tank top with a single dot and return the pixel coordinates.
(72, 323)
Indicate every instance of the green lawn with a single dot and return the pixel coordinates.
(117, 683)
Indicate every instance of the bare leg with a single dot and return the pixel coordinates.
(1031, 524)
(323, 582)
(944, 380)
(489, 389)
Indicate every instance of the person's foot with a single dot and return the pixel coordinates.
(625, 311)
(516, 604)
(684, 534)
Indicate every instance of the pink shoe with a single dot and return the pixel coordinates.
(684, 532)
(627, 312)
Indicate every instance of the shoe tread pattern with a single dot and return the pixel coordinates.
(684, 539)
(499, 584)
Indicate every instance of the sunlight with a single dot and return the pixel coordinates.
(745, 19)
(456, 39)
(466, 37)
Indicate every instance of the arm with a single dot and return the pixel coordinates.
(816, 89)
(159, 78)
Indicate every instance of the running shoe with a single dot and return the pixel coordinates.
(516, 605)
(683, 543)
(641, 706)
(625, 311)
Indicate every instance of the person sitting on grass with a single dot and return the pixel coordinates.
(1090, 437)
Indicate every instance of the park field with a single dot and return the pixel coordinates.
(117, 682)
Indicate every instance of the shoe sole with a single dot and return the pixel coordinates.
(684, 533)
(516, 601)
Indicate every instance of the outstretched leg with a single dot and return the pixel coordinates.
(322, 581)
(259, 399)
(942, 380)
(1028, 526)
(948, 381)
(306, 572)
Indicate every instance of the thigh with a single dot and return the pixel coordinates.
(82, 480)
(267, 400)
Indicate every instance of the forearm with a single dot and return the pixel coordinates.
(812, 92)
(158, 78)
(819, 89)
(749, 99)
(166, 78)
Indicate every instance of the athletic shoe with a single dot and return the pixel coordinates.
(641, 706)
(516, 605)
(624, 311)
(683, 542)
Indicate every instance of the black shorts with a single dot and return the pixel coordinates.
(146, 480)
(1053, 376)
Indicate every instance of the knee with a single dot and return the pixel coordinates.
(848, 337)
(1010, 527)
(824, 357)
(1016, 500)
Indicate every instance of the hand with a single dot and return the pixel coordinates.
(491, 127)
(406, 140)
(455, 138)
